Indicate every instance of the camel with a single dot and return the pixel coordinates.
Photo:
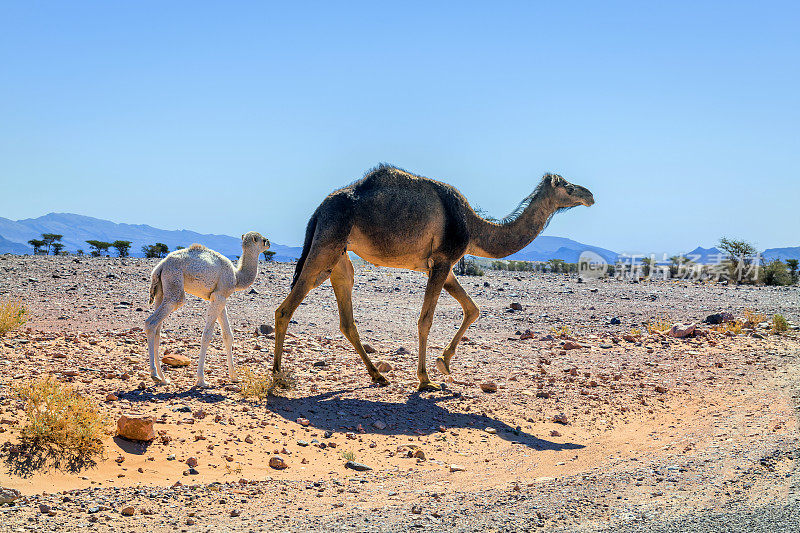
(396, 219)
(208, 275)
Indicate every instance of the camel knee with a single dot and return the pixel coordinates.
(471, 314)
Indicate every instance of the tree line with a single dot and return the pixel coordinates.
(50, 243)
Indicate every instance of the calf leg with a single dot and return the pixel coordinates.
(152, 328)
(227, 340)
(215, 307)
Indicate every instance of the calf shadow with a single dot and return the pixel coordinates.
(418, 415)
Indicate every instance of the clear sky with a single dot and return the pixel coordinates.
(683, 118)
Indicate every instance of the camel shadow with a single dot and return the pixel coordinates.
(418, 415)
(154, 395)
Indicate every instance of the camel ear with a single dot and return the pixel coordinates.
(556, 180)
(255, 239)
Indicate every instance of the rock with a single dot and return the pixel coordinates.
(379, 425)
(44, 508)
(235, 513)
(457, 468)
(111, 397)
(190, 521)
(176, 360)
(571, 345)
(528, 334)
(719, 318)
(418, 454)
(402, 351)
(680, 331)
(515, 306)
(629, 338)
(319, 363)
(266, 329)
(661, 388)
(305, 422)
(615, 321)
(416, 509)
(383, 366)
(560, 418)
(359, 467)
(277, 463)
(302, 443)
(191, 462)
(489, 386)
(136, 427)
(252, 291)
(491, 431)
(8, 495)
(369, 349)
(127, 511)
(554, 433)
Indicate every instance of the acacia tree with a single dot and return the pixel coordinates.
(49, 239)
(741, 256)
(157, 250)
(268, 255)
(37, 245)
(792, 264)
(57, 247)
(98, 247)
(122, 247)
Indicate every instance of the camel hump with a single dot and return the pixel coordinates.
(196, 246)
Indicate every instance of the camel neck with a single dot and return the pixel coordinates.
(247, 269)
(498, 240)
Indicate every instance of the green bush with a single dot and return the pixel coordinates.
(776, 273)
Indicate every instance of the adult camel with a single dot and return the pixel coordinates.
(393, 218)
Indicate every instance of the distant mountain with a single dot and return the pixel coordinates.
(10, 247)
(544, 248)
(783, 254)
(76, 229)
(705, 255)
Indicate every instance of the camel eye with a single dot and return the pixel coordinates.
(570, 189)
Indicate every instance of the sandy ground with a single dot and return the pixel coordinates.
(648, 431)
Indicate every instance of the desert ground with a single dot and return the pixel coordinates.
(618, 432)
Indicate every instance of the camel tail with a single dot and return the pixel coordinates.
(155, 283)
(310, 230)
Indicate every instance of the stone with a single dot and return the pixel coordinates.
(305, 422)
(111, 397)
(266, 329)
(359, 467)
(661, 388)
(277, 463)
(127, 511)
(527, 334)
(136, 427)
(8, 495)
(489, 386)
(302, 443)
(491, 431)
(615, 321)
(379, 425)
(457, 468)
(679, 331)
(516, 306)
(319, 363)
(560, 418)
(571, 345)
(383, 366)
(719, 318)
(191, 462)
(402, 351)
(176, 360)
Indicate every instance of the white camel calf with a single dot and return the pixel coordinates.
(206, 274)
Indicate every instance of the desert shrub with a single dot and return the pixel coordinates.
(779, 324)
(60, 419)
(261, 385)
(467, 267)
(12, 315)
(563, 331)
(753, 318)
(734, 326)
(659, 325)
(776, 273)
(635, 332)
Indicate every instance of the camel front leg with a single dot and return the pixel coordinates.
(471, 314)
(227, 340)
(342, 282)
(214, 309)
(436, 280)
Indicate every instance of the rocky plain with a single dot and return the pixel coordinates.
(564, 412)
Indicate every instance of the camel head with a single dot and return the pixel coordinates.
(253, 239)
(568, 194)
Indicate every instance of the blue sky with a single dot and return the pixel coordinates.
(682, 118)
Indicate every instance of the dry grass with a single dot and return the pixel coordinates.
(659, 325)
(260, 386)
(12, 315)
(734, 327)
(348, 456)
(779, 324)
(635, 332)
(753, 319)
(61, 421)
(563, 331)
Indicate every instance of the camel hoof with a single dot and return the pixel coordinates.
(202, 385)
(233, 378)
(442, 366)
(160, 381)
(428, 387)
(380, 380)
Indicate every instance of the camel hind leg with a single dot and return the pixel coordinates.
(170, 298)
(215, 308)
(471, 314)
(227, 340)
(342, 282)
(436, 280)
